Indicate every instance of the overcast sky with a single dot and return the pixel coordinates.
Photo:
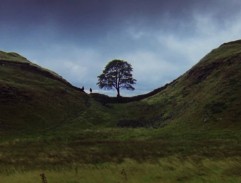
(76, 38)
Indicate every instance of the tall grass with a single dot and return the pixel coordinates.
(168, 170)
(123, 155)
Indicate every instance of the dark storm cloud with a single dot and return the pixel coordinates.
(96, 18)
(64, 15)
(87, 15)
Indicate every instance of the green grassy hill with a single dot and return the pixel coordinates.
(33, 99)
(206, 96)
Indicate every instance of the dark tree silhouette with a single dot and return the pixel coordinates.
(116, 75)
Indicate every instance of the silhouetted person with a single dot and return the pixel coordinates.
(83, 88)
(90, 90)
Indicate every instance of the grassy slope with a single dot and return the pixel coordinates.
(32, 102)
(35, 101)
(206, 96)
(11, 56)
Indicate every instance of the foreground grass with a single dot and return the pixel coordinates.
(169, 169)
(123, 155)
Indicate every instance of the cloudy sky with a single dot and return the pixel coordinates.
(77, 38)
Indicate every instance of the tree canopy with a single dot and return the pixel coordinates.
(117, 75)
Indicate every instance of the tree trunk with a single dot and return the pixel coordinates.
(118, 92)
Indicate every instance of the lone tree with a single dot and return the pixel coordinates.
(116, 75)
